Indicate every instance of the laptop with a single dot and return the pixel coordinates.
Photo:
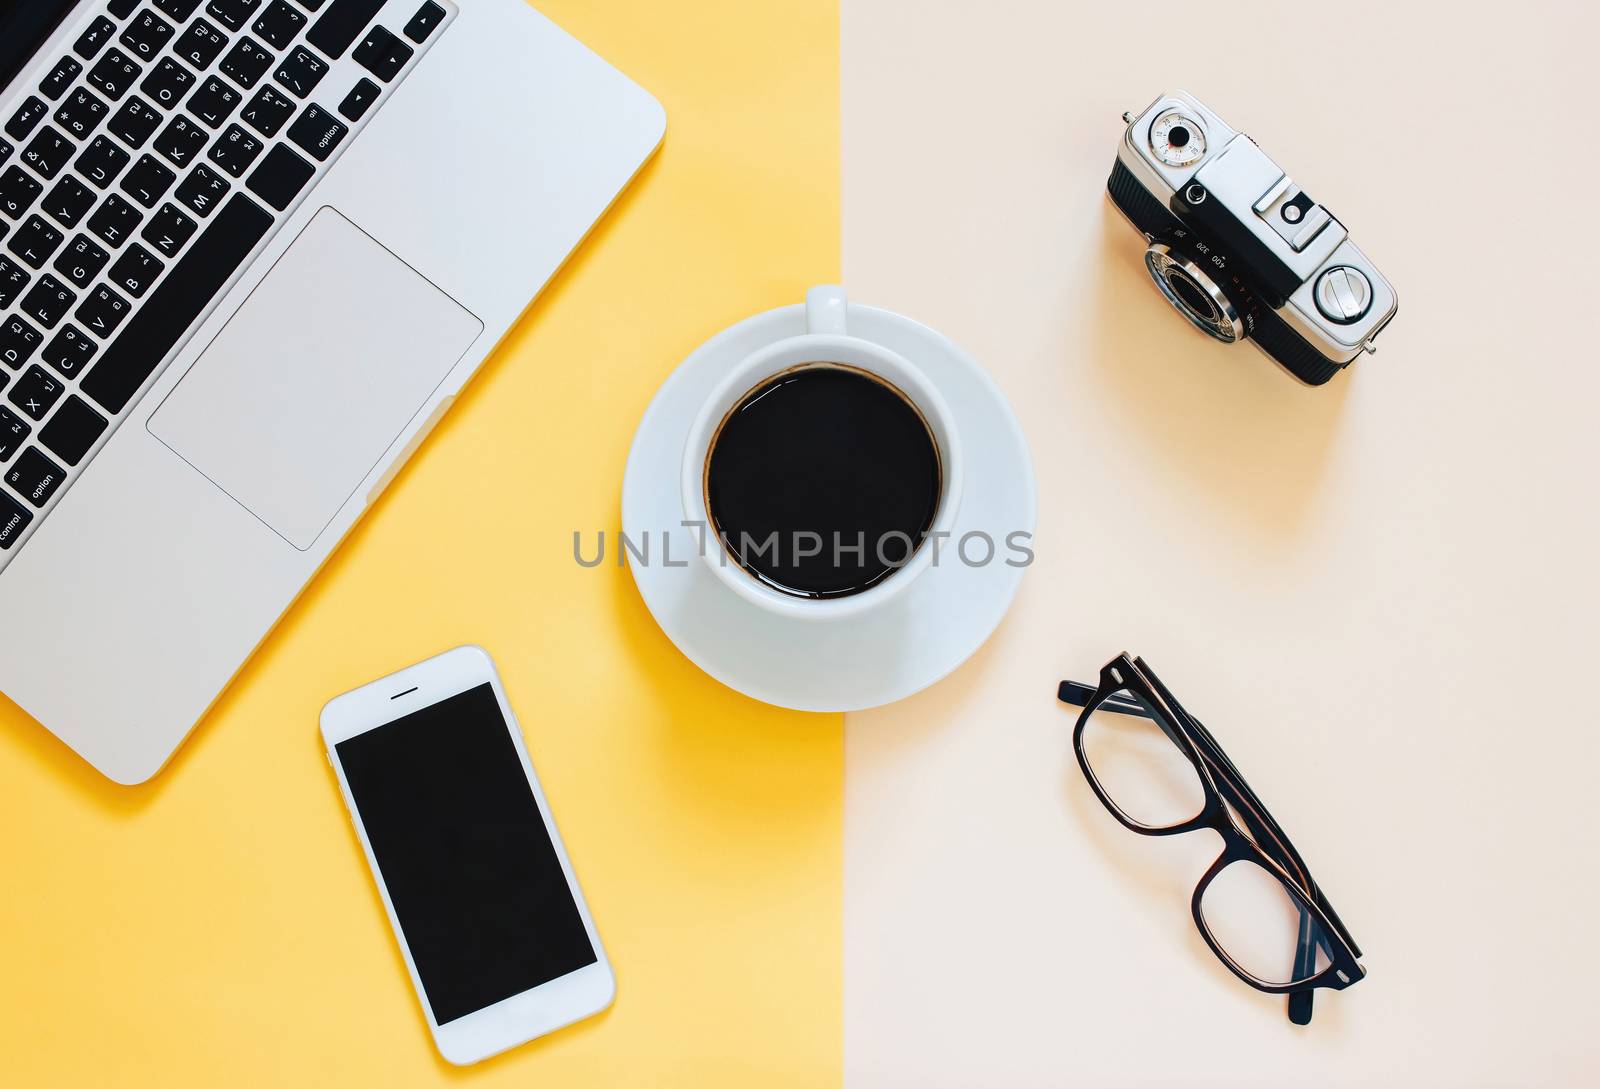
(250, 250)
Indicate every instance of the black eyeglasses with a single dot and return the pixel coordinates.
(1161, 773)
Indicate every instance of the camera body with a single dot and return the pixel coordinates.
(1241, 250)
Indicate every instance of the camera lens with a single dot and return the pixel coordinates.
(1177, 136)
(1193, 277)
(1191, 295)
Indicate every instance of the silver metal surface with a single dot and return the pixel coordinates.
(1222, 321)
(1343, 294)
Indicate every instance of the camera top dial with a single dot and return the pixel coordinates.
(1177, 139)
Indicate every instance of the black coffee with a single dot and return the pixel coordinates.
(822, 481)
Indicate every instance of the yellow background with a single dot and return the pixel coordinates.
(218, 926)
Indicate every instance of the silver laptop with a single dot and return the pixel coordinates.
(249, 252)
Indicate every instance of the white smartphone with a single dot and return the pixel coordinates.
(482, 898)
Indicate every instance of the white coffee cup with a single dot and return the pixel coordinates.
(825, 341)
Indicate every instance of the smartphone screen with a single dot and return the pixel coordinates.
(465, 854)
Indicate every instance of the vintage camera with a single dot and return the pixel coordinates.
(1241, 250)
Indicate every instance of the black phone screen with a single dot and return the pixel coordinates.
(465, 854)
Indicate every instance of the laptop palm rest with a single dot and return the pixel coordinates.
(314, 377)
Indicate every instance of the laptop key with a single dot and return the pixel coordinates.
(72, 430)
(27, 117)
(235, 151)
(280, 177)
(102, 311)
(382, 54)
(14, 518)
(200, 44)
(213, 102)
(179, 10)
(68, 353)
(168, 230)
(148, 181)
(69, 201)
(14, 431)
(48, 152)
(17, 192)
(301, 71)
(232, 14)
(318, 132)
(35, 241)
(180, 141)
(121, 9)
(167, 83)
(246, 63)
(60, 78)
(146, 35)
(13, 278)
(359, 100)
(113, 74)
(267, 111)
(135, 271)
(18, 341)
(134, 123)
(202, 190)
(424, 22)
(101, 162)
(338, 27)
(211, 260)
(48, 302)
(115, 221)
(6, 148)
(81, 113)
(311, 5)
(35, 392)
(81, 261)
(278, 24)
(91, 41)
(34, 476)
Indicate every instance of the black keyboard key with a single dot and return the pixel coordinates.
(301, 71)
(178, 10)
(27, 117)
(49, 301)
(212, 260)
(213, 102)
(168, 230)
(200, 44)
(280, 177)
(180, 141)
(113, 74)
(81, 261)
(202, 190)
(232, 14)
(14, 518)
(102, 311)
(360, 99)
(246, 62)
(267, 111)
(424, 22)
(382, 54)
(36, 392)
(60, 78)
(18, 341)
(146, 35)
(318, 132)
(17, 192)
(121, 9)
(94, 39)
(135, 271)
(101, 162)
(115, 221)
(80, 114)
(72, 430)
(13, 278)
(134, 123)
(235, 151)
(35, 241)
(278, 24)
(167, 83)
(148, 181)
(6, 148)
(34, 476)
(311, 5)
(48, 152)
(69, 201)
(14, 431)
(342, 24)
(68, 352)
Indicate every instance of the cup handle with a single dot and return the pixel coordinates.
(825, 309)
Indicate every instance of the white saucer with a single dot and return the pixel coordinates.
(852, 663)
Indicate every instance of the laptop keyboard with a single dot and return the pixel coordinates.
(138, 176)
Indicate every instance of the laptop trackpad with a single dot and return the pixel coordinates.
(314, 377)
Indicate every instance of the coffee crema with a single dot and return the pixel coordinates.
(822, 480)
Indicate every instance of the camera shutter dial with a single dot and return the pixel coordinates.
(1344, 294)
(1177, 139)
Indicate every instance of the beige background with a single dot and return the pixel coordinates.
(1380, 594)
